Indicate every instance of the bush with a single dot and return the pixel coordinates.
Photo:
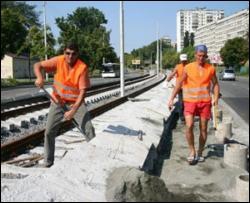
(8, 82)
(244, 70)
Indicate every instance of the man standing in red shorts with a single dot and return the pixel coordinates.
(195, 83)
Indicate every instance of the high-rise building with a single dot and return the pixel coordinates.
(215, 34)
(191, 20)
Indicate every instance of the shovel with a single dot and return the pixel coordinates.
(64, 108)
(215, 114)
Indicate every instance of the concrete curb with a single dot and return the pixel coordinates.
(234, 115)
(22, 97)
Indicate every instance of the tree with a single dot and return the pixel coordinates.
(190, 51)
(170, 58)
(235, 52)
(34, 43)
(13, 32)
(16, 19)
(27, 12)
(192, 39)
(186, 39)
(84, 27)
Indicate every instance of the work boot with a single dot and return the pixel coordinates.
(47, 165)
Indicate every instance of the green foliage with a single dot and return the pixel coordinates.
(26, 12)
(16, 19)
(170, 59)
(190, 51)
(186, 39)
(13, 32)
(84, 27)
(192, 39)
(9, 82)
(235, 52)
(147, 53)
(34, 43)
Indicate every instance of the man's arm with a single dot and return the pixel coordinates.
(38, 73)
(48, 66)
(171, 75)
(176, 89)
(216, 90)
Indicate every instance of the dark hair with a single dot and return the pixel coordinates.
(72, 46)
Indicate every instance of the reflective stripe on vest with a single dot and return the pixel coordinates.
(66, 87)
(195, 89)
(68, 96)
(203, 96)
(196, 93)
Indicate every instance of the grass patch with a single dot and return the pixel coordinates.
(12, 82)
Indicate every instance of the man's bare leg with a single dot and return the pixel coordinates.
(203, 135)
(190, 134)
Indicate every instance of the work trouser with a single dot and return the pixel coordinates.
(180, 105)
(54, 121)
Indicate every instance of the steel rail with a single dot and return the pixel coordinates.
(15, 112)
(11, 149)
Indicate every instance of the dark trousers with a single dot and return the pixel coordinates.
(54, 121)
(180, 105)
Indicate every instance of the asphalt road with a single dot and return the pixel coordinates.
(236, 95)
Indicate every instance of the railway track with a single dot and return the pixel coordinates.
(40, 101)
(96, 105)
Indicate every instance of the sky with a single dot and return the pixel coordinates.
(140, 17)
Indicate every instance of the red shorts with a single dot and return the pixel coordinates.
(201, 109)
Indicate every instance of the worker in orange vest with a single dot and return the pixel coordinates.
(195, 82)
(178, 70)
(71, 82)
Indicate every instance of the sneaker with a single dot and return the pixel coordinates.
(200, 158)
(192, 160)
(47, 165)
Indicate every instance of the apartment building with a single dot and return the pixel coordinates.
(215, 34)
(191, 20)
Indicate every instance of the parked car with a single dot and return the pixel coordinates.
(227, 74)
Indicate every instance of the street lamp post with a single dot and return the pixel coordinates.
(157, 52)
(161, 55)
(45, 37)
(103, 58)
(121, 48)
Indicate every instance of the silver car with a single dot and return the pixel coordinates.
(227, 74)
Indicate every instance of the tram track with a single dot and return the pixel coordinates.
(15, 108)
(18, 146)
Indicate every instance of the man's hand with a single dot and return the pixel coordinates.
(215, 102)
(170, 104)
(39, 82)
(68, 115)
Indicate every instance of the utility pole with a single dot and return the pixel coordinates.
(103, 58)
(151, 61)
(45, 37)
(157, 51)
(122, 48)
(161, 55)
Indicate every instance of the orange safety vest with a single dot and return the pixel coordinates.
(66, 82)
(197, 85)
(179, 69)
